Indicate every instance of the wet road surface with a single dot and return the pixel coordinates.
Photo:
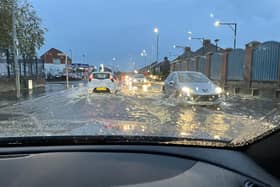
(75, 112)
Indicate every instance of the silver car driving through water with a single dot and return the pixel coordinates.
(193, 87)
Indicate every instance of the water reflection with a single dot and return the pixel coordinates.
(186, 123)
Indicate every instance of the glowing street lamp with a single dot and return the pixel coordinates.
(233, 27)
(196, 38)
(217, 23)
(156, 31)
(144, 54)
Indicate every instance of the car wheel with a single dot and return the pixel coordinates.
(177, 94)
(163, 89)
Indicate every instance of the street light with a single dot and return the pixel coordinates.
(178, 46)
(144, 54)
(217, 23)
(113, 65)
(71, 54)
(197, 38)
(66, 67)
(194, 38)
(216, 42)
(233, 27)
(156, 31)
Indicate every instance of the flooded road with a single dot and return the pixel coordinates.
(130, 112)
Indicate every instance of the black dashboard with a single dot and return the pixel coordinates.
(129, 165)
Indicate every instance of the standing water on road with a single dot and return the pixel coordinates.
(75, 112)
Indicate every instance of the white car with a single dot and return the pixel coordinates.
(102, 82)
(193, 87)
(139, 80)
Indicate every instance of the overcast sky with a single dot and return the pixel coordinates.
(103, 29)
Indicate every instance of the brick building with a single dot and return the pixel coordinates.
(53, 56)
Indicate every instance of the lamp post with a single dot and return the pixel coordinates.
(71, 54)
(156, 31)
(178, 47)
(216, 42)
(66, 68)
(144, 54)
(233, 27)
(113, 64)
(201, 39)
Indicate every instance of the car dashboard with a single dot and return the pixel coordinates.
(128, 165)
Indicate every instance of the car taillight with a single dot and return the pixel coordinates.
(112, 78)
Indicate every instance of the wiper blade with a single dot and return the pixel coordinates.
(106, 140)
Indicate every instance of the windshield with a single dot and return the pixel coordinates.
(101, 75)
(54, 54)
(139, 76)
(192, 77)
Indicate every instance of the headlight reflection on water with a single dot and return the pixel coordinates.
(218, 90)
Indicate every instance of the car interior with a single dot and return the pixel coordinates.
(30, 163)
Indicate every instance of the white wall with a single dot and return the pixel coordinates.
(54, 69)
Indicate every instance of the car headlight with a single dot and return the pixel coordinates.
(134, 80)
(145, 80)
(187, 90)
(218, 90)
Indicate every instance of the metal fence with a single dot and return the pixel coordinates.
(201, 64)
(192, 64)
(216, 66)
(265, 64)
(184, 66)
(256, 66)
(235, 65)
(27, 68)
(177, 66)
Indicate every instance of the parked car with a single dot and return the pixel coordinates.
(193, 87)
(102, 82)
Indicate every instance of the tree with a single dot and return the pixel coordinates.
(5, 24)
(30, 33)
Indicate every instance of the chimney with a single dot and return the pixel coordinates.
(187, 52)
(206, 43)
(253, 44)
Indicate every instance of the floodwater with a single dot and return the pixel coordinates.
(57, 111)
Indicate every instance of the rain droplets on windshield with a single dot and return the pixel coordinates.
(139, 68)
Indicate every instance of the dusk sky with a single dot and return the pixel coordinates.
(103, 29)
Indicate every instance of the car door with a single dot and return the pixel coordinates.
(168, 84)
(173, 83)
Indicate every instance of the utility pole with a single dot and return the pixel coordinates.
(216, 42)
(15, 51)
(66, 67)
(67, 73)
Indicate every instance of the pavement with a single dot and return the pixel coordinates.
(60, 111)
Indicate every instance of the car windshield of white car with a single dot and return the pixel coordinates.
(101, 76)
(139, 76)
(192, 77)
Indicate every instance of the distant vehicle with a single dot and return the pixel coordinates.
(102, 82)
(139, 80)
(193, 87)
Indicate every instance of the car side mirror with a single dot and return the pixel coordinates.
(171, 83)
